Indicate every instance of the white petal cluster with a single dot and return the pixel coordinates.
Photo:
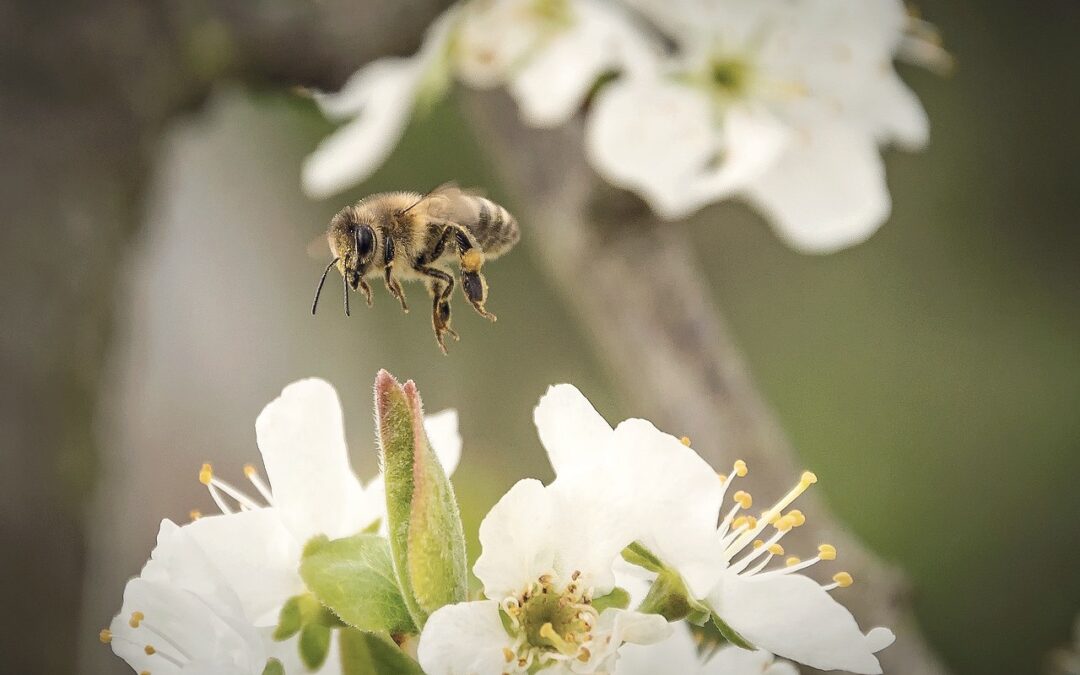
(783, 103)
(225, 577)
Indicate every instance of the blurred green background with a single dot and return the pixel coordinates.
(931, 376)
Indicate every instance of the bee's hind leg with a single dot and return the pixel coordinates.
(439, 285)
(472, 279)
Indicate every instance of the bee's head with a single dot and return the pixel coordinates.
(352, 243)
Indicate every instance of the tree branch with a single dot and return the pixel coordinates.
(635, 284)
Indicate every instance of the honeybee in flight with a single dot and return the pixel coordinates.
(408, 235)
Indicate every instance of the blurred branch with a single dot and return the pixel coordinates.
(87, 88)
(635, 284)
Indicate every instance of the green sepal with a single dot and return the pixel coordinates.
(297, 611)
(365, 653)
(637, 554)
(618, 598)
(427, 540)
(314, 644)
(273, 667)
(731, 635)
(354, 577)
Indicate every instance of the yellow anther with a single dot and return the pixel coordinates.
(843, 579)
(758, 543)
(685, 440)
(784, 524)
(105, 636)
(827, 552)
(206, 474)
(808, 478)
(508, 654)
(739, 522)
(584, 655)
(722, 477)
(149, 649)
(144, 672)
(744, 499)
(740, 468)
(195, 514)
(751, 522)
(136, 619)
(800, 519)
(793, 560)
(249, 470)
(776, 549)
(770, 517)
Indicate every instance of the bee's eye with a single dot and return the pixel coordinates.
(365, 241)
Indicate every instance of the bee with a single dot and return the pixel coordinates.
(402, 236)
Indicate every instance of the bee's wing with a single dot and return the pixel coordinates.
(448, 201)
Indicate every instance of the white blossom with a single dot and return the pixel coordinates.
(548, 553)
(180, 616)
(726, 567)
(781, 103)
(548, 53)
(254, 546)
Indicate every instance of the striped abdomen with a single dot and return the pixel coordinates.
(494, 228)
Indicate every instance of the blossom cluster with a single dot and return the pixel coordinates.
(782, 103)
(637, 558)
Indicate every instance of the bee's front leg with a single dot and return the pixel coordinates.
(366, 290)
(394, 287)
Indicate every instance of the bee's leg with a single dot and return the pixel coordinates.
(472, 279)
(366, 290)
(439, 284)
(394, 287)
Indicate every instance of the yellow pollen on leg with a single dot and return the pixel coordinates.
(827, 552)
(136, 619)
(206, 474)
(843, 579)
(744, 499)
(685, 440)
(105, 636)
(740, 468)
(472, 260)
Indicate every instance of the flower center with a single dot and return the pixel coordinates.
(729, 75)
(549, 623)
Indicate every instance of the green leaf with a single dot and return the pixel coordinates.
(273, 667)
(354, 577)
(730, 634)
(617, 598)
(370, 654)
(314, 644)
(427, 541)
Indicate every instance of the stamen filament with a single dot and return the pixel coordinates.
(807, 479)
(256, 480)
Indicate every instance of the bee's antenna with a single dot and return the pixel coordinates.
(345, 286)
(322, 280)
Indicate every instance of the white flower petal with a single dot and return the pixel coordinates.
(623, 626)
(896, 115)
(569, 427)
(792, 616)
(256, 555)
(464, 639)
(302, 439)
(442, 431)
(552, 84)
(654, 137)
(737, 661)
(827, 191)
(676, 654)
(671, 495)
(493, 39)
(515, 537)
(387, 91)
